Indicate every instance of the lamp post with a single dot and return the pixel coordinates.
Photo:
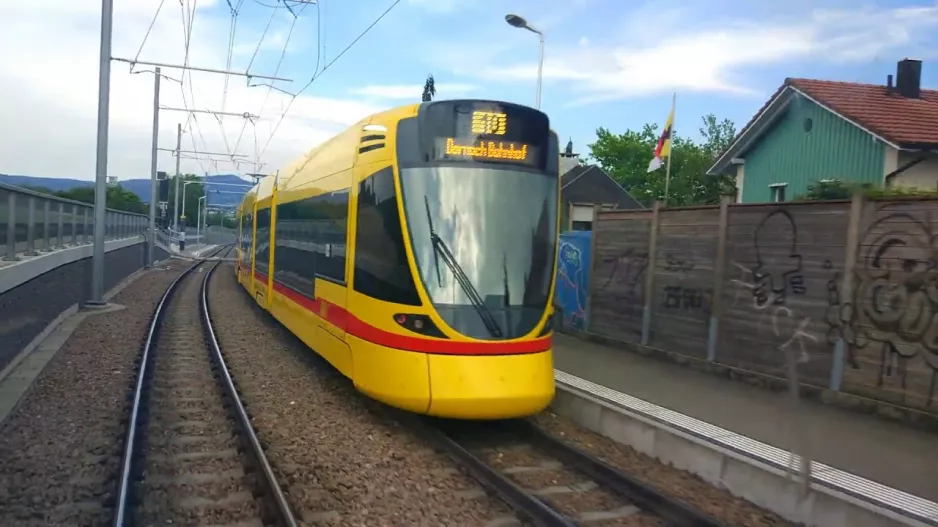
(184, 185)
(521, 23)
(198, 222)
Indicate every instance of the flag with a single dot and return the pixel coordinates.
(663, 148)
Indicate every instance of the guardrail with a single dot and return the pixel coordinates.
(32, 222)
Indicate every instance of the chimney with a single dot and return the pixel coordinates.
(889, 88)
(568, 159)
(909, 78)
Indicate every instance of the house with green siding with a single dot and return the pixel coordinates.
(815, 130)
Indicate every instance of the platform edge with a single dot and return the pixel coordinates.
(743, 466)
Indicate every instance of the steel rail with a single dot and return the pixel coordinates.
(645, 497)
(130, 438)
(272, 487)
(673, 511)
(517, 498)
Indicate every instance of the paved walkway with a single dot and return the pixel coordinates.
(867, 446)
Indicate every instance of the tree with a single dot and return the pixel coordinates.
(717, 135)
(429, 89)
(222, 219)
(625, 157)
(115, 197)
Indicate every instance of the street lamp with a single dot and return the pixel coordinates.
(198, 221)
(206, 183)
(521, 23)
(184, 185)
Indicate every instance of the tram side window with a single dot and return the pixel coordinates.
(311, 240)
(381, 268)
(247, 224)
(262, 244)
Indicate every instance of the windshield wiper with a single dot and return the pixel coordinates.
(436, 259)
(441, 250)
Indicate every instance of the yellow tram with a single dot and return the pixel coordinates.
(416, 251)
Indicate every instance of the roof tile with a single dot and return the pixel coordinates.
(896, 118)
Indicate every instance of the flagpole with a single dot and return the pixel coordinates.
(667, 170)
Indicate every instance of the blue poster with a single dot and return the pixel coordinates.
(573, 267)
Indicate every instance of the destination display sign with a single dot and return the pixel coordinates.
(485, 132)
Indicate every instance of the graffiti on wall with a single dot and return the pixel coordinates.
(783, 326)
(676, 264)
(776, 278)
(627, 272)
(770, 283)
(685, 298)
(886, 319)
(681, 296)
(573, 278)
(893, 313)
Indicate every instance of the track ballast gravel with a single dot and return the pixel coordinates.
(343, 459)
(506, 447)
(193, 470)
(685, 486)
(60, 450)
(339, 459)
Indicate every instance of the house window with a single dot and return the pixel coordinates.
(582, 225)
(778, 192)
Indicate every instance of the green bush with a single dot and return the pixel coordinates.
(835, 189)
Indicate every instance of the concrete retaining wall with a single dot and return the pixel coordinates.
(30, 301)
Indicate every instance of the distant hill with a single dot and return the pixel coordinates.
(54, 184)
(140, 187)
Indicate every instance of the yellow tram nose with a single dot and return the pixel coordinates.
(491, 387)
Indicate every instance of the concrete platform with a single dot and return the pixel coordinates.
(870, 447)
(746, 468)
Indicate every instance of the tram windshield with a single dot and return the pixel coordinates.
(479, 184)
(498, 226)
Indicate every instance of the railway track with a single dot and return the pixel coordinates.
(551, 483)
(190, 453)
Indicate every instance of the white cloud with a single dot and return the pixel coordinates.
(408, 91)
(49, 100)
(709, 60)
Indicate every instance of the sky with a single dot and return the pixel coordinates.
(608, 63)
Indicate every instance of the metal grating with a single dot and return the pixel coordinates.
(896, 500)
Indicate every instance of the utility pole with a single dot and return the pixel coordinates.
(153, 197)
(176, 193)
(96, 298)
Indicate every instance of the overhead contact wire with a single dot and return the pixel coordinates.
(319, 74)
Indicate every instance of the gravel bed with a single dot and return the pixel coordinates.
(675, 482)
(187, 411)
(60, 450)
(341, 459)
(566, 489)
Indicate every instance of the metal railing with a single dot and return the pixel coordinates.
(32, 223)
